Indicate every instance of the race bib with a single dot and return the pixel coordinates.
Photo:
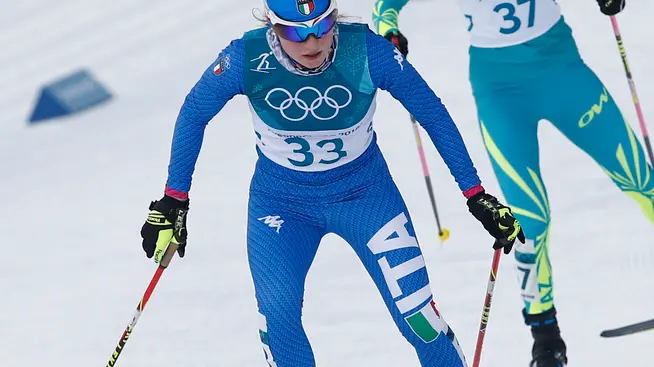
(317, 150)
(499, 23)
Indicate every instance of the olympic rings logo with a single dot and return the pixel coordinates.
(309, 108)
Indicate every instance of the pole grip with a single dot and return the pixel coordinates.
(168, 255)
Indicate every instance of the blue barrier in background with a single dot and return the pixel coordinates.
(71, 94)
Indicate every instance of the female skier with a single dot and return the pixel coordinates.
(311, 84)
(524, 67)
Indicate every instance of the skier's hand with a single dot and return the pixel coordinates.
(497, 219)
(611, 7)
(166, 223)
(398, 39)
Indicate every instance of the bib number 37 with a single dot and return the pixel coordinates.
(511, 22)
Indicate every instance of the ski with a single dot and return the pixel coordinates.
(629, 329)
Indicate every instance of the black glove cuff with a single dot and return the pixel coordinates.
(611, 8)
(475, 198)
(167, 204)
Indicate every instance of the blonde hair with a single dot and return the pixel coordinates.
(261, 17)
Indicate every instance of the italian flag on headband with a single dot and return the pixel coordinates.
(427, 323)
(305, 6)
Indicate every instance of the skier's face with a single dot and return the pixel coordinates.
(312, 52)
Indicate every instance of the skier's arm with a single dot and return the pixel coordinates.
(391, 72)
(385, 15)
(221, 81)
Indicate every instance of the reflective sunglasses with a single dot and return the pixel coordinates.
(300, 31)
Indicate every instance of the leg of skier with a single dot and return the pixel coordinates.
(376, 223)
(587, 115)
(509, 126)
(282, 243)
(509, 130)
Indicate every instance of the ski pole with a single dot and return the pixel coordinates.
(165, 261)
(632, 86)
(443, 233)
(487, 305)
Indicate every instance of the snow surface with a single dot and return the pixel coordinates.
(75, 193)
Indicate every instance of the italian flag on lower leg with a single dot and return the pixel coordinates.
(427, 323)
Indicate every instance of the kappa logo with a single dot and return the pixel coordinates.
(305, 7)
(264, 64)
(398, 56)
(333, 102)
(272, 221)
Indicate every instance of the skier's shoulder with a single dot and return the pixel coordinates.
(224, 77)
(346, 27)
(237, 46)
(366, 36)
(230, 60)
(255, 33)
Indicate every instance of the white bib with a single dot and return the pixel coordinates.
(314, 151)
(500, 23)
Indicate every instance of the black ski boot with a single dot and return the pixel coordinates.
(549, 349)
